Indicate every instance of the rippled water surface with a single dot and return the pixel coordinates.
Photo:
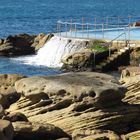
(35, 16)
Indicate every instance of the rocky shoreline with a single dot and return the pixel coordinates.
(22, 44)
(70, 106)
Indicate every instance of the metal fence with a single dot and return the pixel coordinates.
(88, 28)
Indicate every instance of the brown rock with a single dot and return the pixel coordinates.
(6, 130)
(35, 131)
(8, 94)
(133, 135)
(79, 86)
(40, 40)
(132, 83)
(135, 56)
(1, 112)
(95, 135)
(17, 45)
(74, 101)
(1, 41)
(16, 117)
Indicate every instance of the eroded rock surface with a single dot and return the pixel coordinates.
(8, 94)
(76, 100)
(131, 80)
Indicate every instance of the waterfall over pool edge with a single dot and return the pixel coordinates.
(52, 52)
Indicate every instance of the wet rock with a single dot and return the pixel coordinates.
(35, 131)
(6, 130)
(40, 40)
(17, 45)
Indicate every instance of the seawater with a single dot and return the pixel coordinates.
(36, 16)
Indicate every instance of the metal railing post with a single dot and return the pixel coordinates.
(95, 27)
(110, 49)
(125, 38)
(60, 28)
(129, 18)
(103, 31)
(118, 21)
(57, 29)
(66, 28)
(129, 28)
(75, 30)
(94, 59)
(71, 27)
(82, 26)
(106, 22)
(87, 30)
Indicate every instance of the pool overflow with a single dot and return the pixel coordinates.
(114, 30)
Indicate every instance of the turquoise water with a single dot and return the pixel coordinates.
(35, 16)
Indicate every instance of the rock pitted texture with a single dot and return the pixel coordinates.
(131, 79)
(80, 60)
(8, 94)
(76, 100)
(6, 130)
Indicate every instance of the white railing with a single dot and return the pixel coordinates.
(84, 26)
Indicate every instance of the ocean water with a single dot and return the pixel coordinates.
(36, 16)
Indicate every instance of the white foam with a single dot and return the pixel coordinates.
(51, 54)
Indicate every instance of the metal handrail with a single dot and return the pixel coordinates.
(84, 24)
(110, 43)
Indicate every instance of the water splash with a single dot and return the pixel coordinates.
(53, 51)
